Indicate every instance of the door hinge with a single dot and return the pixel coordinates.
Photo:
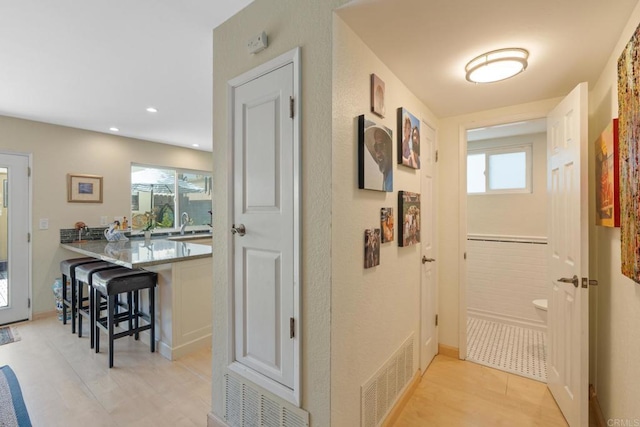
(28, 237)
(436, 156)
(465, 255)
(292, 327)
(292, 104)
(29, 171)
(28, 302)
(436, 320)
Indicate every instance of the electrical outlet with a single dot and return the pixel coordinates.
(44, 223)
(104, 220)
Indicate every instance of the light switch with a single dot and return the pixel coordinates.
(104, 220)
(44, 223)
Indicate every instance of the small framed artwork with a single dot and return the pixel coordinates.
(375, 156)
(377, 95)
(371, 247)
(84, 188)
(386, 224)
(408, 139)
(408, 218)
(607, 177)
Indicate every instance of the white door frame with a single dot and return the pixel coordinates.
(462, 203)
(292, 57)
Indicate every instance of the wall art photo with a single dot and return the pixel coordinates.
(628, 131)
(375, 156)
(607, 177)
(84, 188)
(408, 139)
(386, 224)
(377, 95)
(371, 247)
(408, 218)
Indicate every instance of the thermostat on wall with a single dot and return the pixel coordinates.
(257, 43)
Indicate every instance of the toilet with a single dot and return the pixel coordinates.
(541, 309)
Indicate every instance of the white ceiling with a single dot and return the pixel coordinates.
(95, 64)
(427, 43)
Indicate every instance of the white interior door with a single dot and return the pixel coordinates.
(266, 231)
(428, 290)
(568, 309)
(14, 243)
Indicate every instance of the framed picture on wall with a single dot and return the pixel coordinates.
(408, 218)
(608, 177)
(375, 156)
(377, 95)
(386, 224)
(84, 188)
(371, 247)
(408, 139)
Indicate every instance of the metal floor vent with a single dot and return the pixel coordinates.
(382, 390)
(247, 405)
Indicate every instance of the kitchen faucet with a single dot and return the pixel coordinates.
(184, 220)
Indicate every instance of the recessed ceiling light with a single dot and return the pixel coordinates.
(497, 65)
(152, 110)
(195, 145)
(114, 129)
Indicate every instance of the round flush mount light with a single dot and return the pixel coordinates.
(114, 129)
(152, 110)
(497, 65)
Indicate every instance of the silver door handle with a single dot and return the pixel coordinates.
(239, 230)
(573, 280)
(425, 259)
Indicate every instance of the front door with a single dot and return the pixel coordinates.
(568, 305)
(14, 238)
(265, 227)
(428, 294)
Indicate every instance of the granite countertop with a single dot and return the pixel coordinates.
(136, 253)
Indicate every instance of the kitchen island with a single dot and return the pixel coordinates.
(184, 292)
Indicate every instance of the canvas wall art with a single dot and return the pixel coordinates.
(629, 132)
(377, 95)
(386, 224)
(607, 177)
(408, 139)
(371, 247)
(375, 156)
(408, 218)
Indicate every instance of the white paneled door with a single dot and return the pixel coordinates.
(568, 312)
(265, 229)
(428, 292)
(14, 238)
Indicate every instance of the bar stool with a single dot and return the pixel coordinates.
(84, 305)
(68, 270)
(109, 284)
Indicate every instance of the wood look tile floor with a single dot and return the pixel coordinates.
(453, 392)
(65, 383)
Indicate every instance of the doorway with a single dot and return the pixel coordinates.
(506, 246)
(15, 257)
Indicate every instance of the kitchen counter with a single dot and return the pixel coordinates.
(137, 253)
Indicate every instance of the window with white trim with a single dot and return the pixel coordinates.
(499, 170)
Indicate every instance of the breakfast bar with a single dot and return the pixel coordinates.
(184, 292)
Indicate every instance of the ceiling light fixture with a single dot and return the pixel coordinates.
(497, 65)
(195, 145)
(114, 129)
(152, 110)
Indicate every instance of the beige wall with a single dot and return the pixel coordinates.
(518, 214)
(288, 24)
(58, 150)
(617, 298)
(373, 310)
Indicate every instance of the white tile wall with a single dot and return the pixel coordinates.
(504, 278)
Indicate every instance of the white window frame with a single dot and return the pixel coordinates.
(491, 151)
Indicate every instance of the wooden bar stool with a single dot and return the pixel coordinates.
(109, 284)
(68, 270)
(84, 304)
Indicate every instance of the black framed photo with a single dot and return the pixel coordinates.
(408, 139)
(408, 218)
(375, 156)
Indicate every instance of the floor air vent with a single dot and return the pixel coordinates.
(382, 390)
(247, 405)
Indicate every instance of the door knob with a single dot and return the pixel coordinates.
(573, 280)
(239, 230)
(425, 259)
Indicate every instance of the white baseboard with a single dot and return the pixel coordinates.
(509, 320)
(214, 421)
